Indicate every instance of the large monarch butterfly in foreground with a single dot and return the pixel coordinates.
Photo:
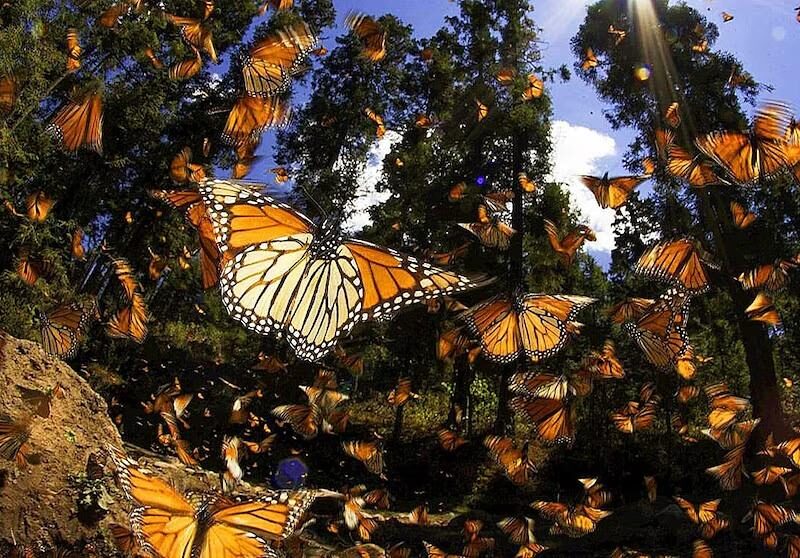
(79, 123)
(534, 325)
(281, 274)
(169, 525)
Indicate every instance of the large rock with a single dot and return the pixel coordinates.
(39, 504)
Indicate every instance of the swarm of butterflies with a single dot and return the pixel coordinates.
(279, 273)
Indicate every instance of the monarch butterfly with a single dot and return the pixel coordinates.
(269, 364)
(482, 110)
(41, 401)
(651, 485)
(281, 174)
(494, 234)
(79, 123)
(448, 258)
(449, 440)
(695, 170)
(705, 516)
(637, 415)
(110, 17)
(761, 152)
(684, 394)
(456, 192)
(629, 309)
(401, 393)
(573, 521)
(762, 309)
(648, 166)
(672, 115)
(369, 453)
(680, 262)
(154, 61)
(589, 60)
(530, 550)
(168, 524)
(455, 342)
(245, 157)
(605, 364)
(278, 5)
(182, 170)
(190, 201)
(448, 304)
(195, 34)
(279, 275)
(661, 330)
(186, 68)
(726, 17)
(31, 268)
(14, 436)
(729, 472)
(618, 34)
(700, 46)
(125, 276)
(741, 217)
(371, 35)
(378, 120)
(664, 140)
(519, 530)
(553, 419)
(273, 61)
(423, 121)
(612, 192)
(76, 245)
(533, 325)
(125, 540)
(526, 183)
(73, 50)
(767, 517)
(570, 244)
(9, 90)
(725, 407)
(354, 363)
(62, 327)
(770, 475)
(771, 276)
(130, 321)
(544, 385)
(534, 89)
(250, 116)
(156, 266)
(436, 552)
(791, 450)
(516, 464)
(505, 76)
(304, 419)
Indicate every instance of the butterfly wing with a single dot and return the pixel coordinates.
(543, 322)
(163, 519)
(496, 324)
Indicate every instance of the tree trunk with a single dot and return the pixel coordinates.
(503, 422)
(459, 402)
(398, 424)
(764, 392)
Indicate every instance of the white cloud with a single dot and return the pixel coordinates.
(578, 150)
(366, 194)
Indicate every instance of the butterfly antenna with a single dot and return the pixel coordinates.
(314, 201)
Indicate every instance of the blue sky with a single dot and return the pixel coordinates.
(764, 35)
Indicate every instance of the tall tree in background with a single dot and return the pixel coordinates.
(667, 58)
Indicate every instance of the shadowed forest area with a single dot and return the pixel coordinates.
(200, 358)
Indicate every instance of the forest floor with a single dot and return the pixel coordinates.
(56, 503)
